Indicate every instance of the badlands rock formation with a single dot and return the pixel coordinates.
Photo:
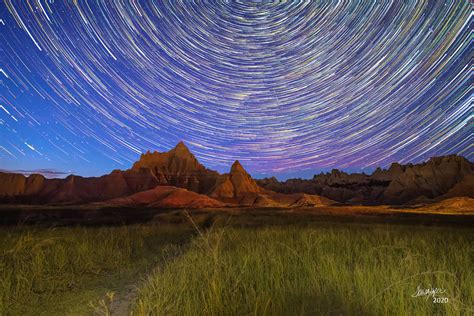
(236, 187)
(178, 167)
(16, 188)
(440, 177)
(170, 179)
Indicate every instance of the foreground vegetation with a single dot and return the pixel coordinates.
(351, 269)
(60, 271)
(210, 264)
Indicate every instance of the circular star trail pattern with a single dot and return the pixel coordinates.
(283, 87)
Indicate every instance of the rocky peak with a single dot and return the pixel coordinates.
(182, 150)
(396, 168)
(178, 159)
(181, 145)
(268, 183)
(273, 180)
(237, 168)
(178, 167)
(450, 159)
(236, 184)
(338, 177)
(240, 175)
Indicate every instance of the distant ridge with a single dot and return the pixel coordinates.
(436, 179)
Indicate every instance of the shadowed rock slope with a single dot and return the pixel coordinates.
(37, 189)
(436, 179)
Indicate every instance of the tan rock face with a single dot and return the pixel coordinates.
(178, 167)
(242, 181)
(12, 184)
(34, 183)
(235, 185)
(179, 160)
(224, 188)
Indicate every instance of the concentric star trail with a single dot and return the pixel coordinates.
(283, 87)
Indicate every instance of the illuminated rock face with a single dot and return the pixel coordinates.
(237, 187)
(167, 197)
(236, 184)
(12, 184)
(178, 167)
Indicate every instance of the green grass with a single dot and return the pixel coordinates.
(59, 271)
(352, 269)
(251, 264)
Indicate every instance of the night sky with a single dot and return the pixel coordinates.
(289, 89)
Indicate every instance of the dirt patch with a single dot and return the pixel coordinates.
(123, 300)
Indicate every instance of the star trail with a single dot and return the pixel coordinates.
(287, 88)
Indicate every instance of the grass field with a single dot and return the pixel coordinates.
(348, 269)
(249, 265)
(59, 271)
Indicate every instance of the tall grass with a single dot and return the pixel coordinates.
(50, 271)
(338, 269)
